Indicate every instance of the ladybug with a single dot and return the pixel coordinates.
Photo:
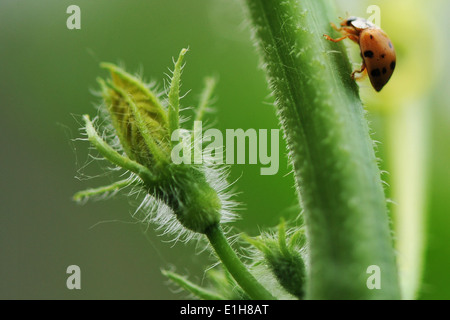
(377, 51)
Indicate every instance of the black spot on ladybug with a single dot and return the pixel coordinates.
(384, 71)
(382, 56)
(390, 44)
(371, 36)
(368, 54)
(392, 65)
(375, 73)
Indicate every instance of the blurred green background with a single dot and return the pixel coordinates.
(48, 73)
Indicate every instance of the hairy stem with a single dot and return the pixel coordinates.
(192, 287)
(205, 98)
(334, 163)
(235, 266)
(116, 186)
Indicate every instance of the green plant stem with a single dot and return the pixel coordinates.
(80, 195)
(235, 266)
(335, 167)
(205, 98)
(191, 287)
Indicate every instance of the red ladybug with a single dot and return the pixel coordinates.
(377, 51)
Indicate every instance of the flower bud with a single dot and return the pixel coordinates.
(284, 259)
(144, 127)
(138, 117)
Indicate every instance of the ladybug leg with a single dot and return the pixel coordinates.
(335, 40)
(347, 32)
(334, 27)
(350, 36)
(337, 29)
(361, 70)
(354, 38)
